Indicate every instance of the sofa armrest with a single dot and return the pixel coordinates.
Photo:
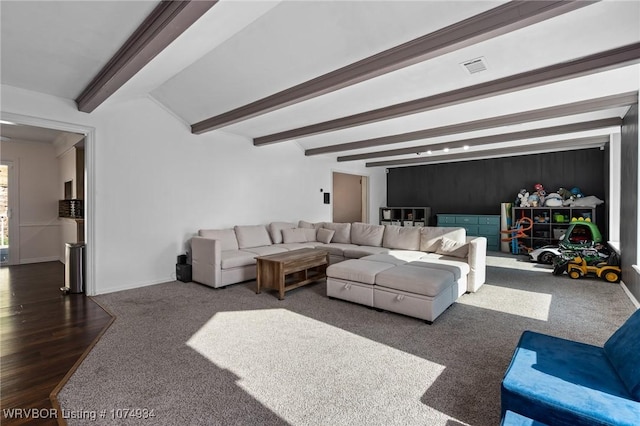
(205, 261)
(477, 262)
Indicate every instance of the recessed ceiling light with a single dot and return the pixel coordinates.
(446, 150)
(466, 147)
(8, 122)
(429, 152)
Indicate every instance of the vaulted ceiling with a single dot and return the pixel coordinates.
(381, 82)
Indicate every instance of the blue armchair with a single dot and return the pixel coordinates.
(556, 381)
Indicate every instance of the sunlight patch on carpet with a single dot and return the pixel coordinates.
(529, 304)
(303, 369)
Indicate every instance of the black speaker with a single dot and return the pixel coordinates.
(183, 273)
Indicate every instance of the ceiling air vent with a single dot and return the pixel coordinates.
(475, 65)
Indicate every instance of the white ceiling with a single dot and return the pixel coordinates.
(242, 51)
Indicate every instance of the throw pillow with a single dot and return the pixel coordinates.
(325, 235)
(450, 247)
(275, 230)
(294, 235)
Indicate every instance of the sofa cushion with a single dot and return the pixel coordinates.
(401, 237)
(452, 248)
(275, 230)
(386, 258)
(365, 234)
(324, 235)
(227, 237)
(623, 351)
(357, 270)
(296, 246)
(343, 232)
(406, 255)
(430, 236)
(310, 233)
(295, 235)
(265, 250)
(236, 258)
(457, 268)
(252, 236)
(335, 248)
(305, 224)
(415, 279)
(361, 251)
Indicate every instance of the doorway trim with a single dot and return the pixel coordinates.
(89, 185)
(13, 176)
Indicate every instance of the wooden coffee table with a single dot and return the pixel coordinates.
(291, 269)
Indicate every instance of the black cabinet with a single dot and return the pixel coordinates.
(549, 223)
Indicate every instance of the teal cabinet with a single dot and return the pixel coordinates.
(487, 226)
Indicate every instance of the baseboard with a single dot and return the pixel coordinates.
(131, 286)
(630, 295)
(39, 260)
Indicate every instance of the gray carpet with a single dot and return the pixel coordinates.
(195, 355)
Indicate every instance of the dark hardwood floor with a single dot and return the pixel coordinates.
(43, 333)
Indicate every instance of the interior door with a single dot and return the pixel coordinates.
(349, 204)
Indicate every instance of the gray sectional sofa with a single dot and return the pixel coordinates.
(417, 271)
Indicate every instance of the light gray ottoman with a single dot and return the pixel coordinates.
(416, 291)
(353, 280)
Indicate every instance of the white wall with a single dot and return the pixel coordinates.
(156, 184)
(38, 225)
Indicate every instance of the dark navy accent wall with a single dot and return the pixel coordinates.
(629, 201)
(479, 186)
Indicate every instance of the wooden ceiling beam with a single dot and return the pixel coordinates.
(163, 25)
(562, 145)
(610, 59)
(492, 23)
(485, 140)
(573, 108)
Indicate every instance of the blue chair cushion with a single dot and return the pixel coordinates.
(514, 419)
(623, 351)
(562, 382)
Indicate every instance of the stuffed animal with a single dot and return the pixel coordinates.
(522, 200)
(553, 200)
(564, 193)
(576, 193)
(534, 200)
(541, 193)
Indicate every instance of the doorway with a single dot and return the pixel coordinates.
(88, 189)
(350, 198)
